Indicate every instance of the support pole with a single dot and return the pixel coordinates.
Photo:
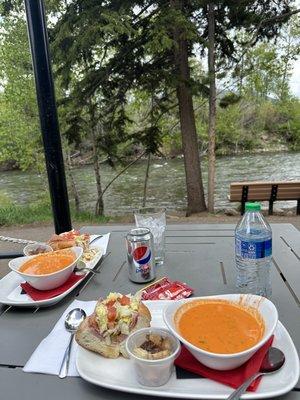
(38, 37)
(244, 198)
(273, 198)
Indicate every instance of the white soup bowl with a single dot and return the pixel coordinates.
(223, 362)
(47, 281)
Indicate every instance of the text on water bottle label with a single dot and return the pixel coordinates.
(252, 249)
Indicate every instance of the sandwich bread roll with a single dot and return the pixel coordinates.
(114, 318)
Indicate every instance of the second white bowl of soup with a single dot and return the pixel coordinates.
(222, 332)
(49, 270)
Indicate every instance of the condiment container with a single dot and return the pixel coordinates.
(33, 249)
(152, 372)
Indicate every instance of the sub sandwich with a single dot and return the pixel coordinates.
(69, 239)
(114, 318)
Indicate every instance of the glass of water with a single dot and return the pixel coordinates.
(155, 220)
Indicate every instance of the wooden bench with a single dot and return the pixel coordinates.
(265, 191)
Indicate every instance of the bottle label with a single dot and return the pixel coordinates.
(252, 249)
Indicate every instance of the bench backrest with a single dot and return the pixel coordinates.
(262, 190)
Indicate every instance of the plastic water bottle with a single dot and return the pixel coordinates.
(253, 252)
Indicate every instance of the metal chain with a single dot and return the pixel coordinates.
(15, 240)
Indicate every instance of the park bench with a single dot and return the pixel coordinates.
(265, 191)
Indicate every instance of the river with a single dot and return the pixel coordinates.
(166, 183)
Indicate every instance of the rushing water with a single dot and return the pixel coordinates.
(166, 183)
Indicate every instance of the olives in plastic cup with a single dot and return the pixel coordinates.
(152, 372)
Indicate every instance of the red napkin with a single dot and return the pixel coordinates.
(234, 377)
(36, 294)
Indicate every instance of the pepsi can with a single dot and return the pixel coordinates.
(139, 242)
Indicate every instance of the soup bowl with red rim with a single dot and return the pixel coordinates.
(46, 281)
(265, 309)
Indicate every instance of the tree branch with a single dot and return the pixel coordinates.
(277, 18)
(121, 172)
(146, 180)
(266, 21)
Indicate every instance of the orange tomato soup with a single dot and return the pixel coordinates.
(219, 326)
(48, 263)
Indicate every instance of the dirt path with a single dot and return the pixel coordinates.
(42, 232)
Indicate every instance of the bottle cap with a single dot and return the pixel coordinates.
(253, 207)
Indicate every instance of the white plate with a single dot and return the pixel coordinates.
(11, 291)
(118, 374)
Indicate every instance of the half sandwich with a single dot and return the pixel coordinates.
(114, 318)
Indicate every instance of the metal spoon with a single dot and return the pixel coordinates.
(81, 266)
(86, 269)
(72, 322)
(273, 361)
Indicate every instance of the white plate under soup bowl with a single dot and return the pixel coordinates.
(47, 281)
(224, 362)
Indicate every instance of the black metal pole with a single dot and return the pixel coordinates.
(37, 31)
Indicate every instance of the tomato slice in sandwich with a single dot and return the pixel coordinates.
(70, 235)
(111, 314)
(124, 301)
(110, 303)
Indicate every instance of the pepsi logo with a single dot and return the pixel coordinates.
(142, 255)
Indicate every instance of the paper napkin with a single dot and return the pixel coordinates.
(38, 295)
(48, 356)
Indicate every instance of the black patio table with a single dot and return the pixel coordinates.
(201, 255)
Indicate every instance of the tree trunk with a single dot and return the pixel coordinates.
(241, 75)
(93, 126)
(72, 182)
(287, 58)
(194, 184)
(212, 108)
(146, 180)
(99, 208)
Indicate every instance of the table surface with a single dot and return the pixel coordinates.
(202, 255)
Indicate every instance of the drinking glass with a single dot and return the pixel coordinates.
(155, 220)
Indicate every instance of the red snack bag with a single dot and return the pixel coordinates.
(165, 289)
(186, 292)
(152, 291)
(175, 291)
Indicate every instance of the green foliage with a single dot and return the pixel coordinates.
(249, 125)
(265, 75)
(12, 214)
(229, 99)
(19, 125)
(40, 211)
(88, 217)
(237, 128)
(288, 126)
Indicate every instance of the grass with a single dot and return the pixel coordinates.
(41, 211)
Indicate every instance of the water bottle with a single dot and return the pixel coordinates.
(253, 252)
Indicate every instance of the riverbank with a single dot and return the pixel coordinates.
(42, 231)
(86, 159)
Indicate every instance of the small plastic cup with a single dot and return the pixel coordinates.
(152, 372)
(154, 219)
(33, 248)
